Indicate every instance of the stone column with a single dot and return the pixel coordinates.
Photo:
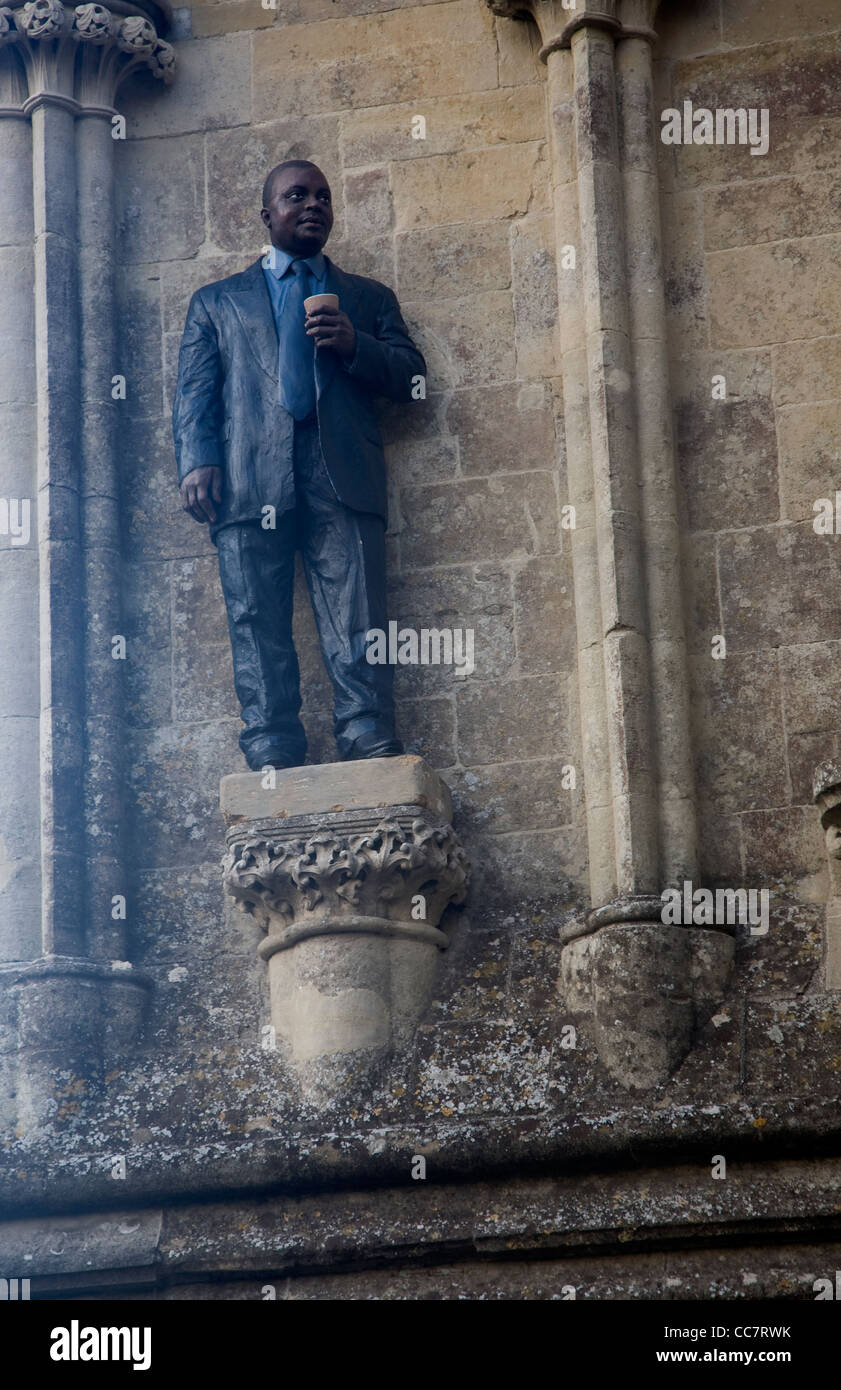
(676, 809)
(66, 64)
(20, 876)
(348, 868)
(626, 560)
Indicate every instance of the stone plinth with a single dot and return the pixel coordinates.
(348, 867)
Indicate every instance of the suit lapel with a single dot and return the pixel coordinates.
(253, 308)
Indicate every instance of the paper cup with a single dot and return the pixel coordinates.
(321, 301)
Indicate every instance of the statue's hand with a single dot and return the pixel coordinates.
(332, 328)
(199, 490)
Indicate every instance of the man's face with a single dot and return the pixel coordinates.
(299, 215)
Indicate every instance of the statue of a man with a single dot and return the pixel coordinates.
(278, 449)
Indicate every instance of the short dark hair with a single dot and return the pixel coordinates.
(278, 169)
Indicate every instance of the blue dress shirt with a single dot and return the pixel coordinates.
(275, 266)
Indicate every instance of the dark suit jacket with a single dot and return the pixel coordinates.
(226, 411)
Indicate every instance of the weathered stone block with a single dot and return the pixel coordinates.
(535, 295)
(227, 16)
(513, 796)
(453, 124)
(465, 342)
(406, 53)
(724, 448)
(160, 198)
(472, 981)
(506, 722)
(807, 371)
(147, 618)
(809, 456)
(788, 208)
(173, 812)
(784, 846)
(478, 601)
(17, 271)
(787, 959)
(507, 517)
(800, 1038)
(777, 587)
(441, 261)
(156, 526)
(503, 181)
(768, 294)
(544, 607)
(202, 669)
(213, 89)
(740, 761)
(427, 729)
(502, 428)
(138, 291)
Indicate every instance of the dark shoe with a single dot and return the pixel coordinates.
(374, 746)
(268, 755)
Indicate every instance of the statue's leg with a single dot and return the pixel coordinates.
(257, 570)
(344, 562)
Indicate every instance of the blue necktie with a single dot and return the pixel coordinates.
(296, 351)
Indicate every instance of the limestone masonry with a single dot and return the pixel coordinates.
(433, 1026)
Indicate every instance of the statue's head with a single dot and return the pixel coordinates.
(297, 207)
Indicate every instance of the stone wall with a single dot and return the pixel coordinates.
(754, 286)
(556, 1115)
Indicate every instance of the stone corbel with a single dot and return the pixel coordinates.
(348, 868)
(645, 988)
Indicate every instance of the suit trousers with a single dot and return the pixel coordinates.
(343, 554)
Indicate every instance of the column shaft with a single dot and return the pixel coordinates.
(20, 866)
(100, 535)
(662, 559)
(615, 466)
(585, 561)
(59, 530)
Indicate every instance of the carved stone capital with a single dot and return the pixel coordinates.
(348, 871)
(78, 56)
(337, 880)
(558, 21)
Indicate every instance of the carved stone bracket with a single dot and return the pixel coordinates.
(351, 898)
(645, 988)
(339, 881)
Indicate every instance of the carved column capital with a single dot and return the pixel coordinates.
(559, 20)
(339, 880)
(77, 57)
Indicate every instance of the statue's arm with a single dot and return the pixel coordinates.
(387, 361)
(197, 407)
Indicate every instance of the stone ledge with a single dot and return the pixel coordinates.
(334, 787)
